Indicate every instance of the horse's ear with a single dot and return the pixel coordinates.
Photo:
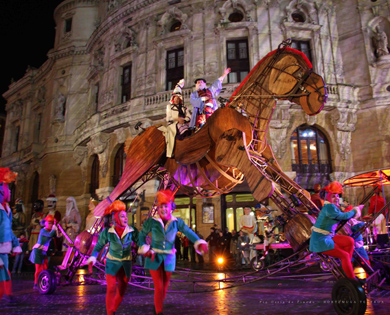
(313, 103)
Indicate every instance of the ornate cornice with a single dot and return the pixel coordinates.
(66, 52)
(116, 17)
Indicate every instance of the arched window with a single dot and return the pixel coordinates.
(35, 188)
(12, 190)
(119, 165)
(298, 17)
(310, 156)
(236, 16)
(176, 26)
(94, 177)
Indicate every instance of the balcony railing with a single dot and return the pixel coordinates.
(311, 166)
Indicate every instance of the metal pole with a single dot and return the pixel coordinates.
(384, 199)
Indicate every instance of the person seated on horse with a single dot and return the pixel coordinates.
(178, 118)
(203, 100)
(118, 263)
(323, 239)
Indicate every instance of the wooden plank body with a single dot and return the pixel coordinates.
(145, 151)
(231, 152)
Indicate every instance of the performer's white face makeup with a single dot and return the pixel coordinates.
(200, 85)
(122, 218)
(165, 211)
(335, 199)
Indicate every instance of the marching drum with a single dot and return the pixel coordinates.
(83, 242)
(298, 230)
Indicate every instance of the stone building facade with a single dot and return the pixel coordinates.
(110, 68)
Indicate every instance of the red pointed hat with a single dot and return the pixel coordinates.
(165, 196)
(334, 188)
(7, 176)
(49, 218)
(116, 206)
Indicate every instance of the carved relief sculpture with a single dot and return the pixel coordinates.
(380, 42)
(60, 107)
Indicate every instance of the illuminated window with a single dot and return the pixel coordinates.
(309, 151)
(234, 204)
(186, 210)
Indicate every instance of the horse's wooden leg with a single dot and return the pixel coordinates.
(145, 151)
(230, 151)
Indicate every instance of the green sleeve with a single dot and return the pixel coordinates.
(335, 213)
(52, 233)
(186, 230)
(146, 228)
(135, 235)
(102, 241)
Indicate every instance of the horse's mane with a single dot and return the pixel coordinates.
(297, 52)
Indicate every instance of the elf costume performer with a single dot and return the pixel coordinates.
(39, 252)
(118, 262)
(160, 255)
(323, 239)
(8, 241)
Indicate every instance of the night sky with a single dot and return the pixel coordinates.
(27, 34)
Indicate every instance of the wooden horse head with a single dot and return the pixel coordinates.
(284, 74)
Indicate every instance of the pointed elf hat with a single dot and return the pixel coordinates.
(116, 206)
(334, 188)
(7, 176)
(165, 196)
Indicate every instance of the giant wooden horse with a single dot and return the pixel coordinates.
(232, 144)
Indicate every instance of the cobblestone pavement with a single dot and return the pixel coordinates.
(271, 296)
